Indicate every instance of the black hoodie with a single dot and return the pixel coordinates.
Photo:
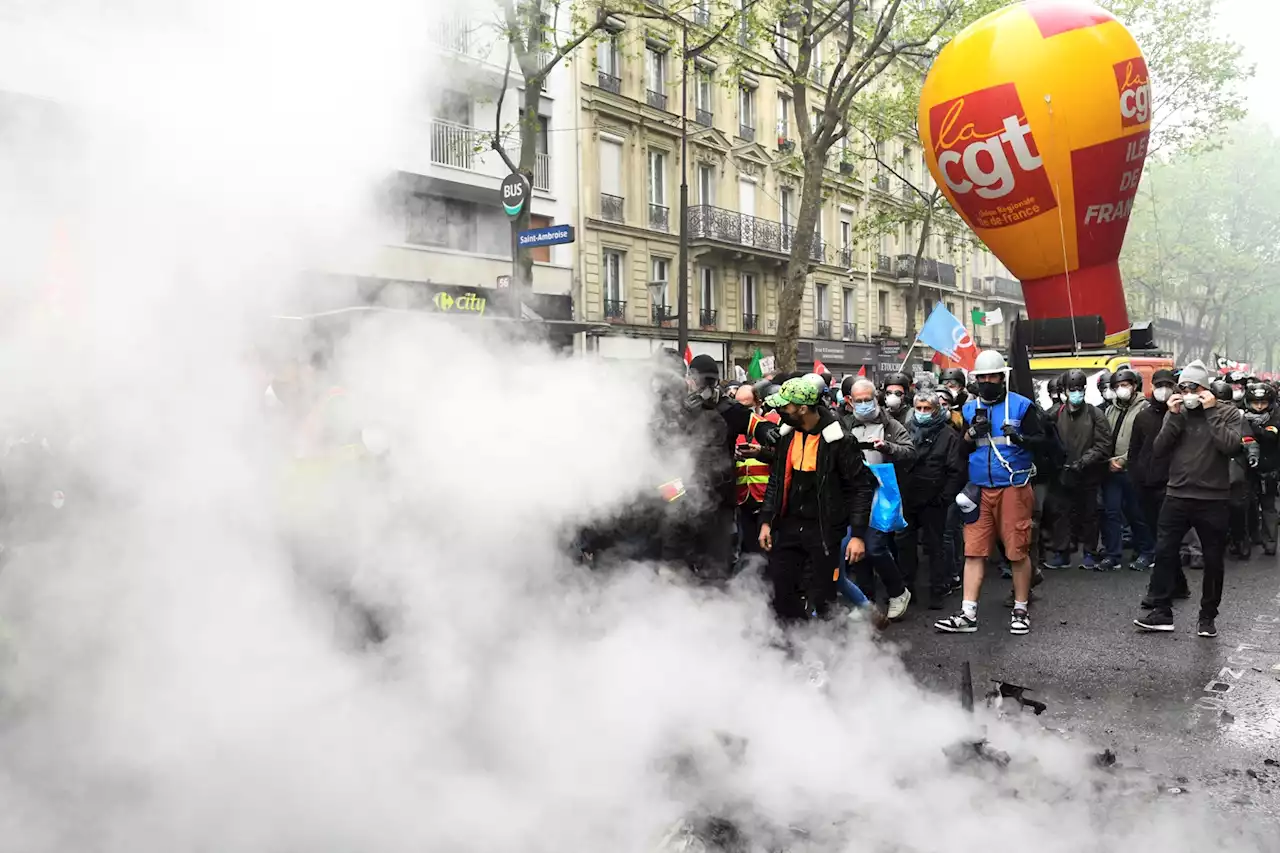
(1147, 469)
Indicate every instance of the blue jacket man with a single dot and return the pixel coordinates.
(1002, 433)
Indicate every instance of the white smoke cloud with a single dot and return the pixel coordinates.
(172, 680)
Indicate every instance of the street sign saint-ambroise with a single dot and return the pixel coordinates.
(553, 235)
(515, 192)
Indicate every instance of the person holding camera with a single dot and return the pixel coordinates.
(1085, 439)
(1003, 431)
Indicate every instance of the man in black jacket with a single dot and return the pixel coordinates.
(1200, 436)
(1264, 419)
(930, 482)
(1150, 471)
(1086, 442)
(818, 488)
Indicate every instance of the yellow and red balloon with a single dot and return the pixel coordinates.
(1035, 122)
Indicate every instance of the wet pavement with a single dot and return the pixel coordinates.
(1197, 715)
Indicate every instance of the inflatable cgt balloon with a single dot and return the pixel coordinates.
(1035, 121)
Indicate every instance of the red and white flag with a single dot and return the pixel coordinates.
(818, 367)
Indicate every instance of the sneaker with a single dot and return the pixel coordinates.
(1089, 563)
(1108, 565)
(1057, 560)
(1141, 564)
(1207, 628)
(957, 624)
(898, 605)
(1154, 621)
(1019, 622)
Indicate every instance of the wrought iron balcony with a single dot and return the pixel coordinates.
(882, 183)
(998, 285)
(609, 83)
(884, 263)
(822, 328)
(946, 274)
(846, 257)
(707, 318)
(659, 217)
(850, 332)
(706, 118)
(747, 132)
(656, 99)
(702, 17)
(926, 270)
(612, 207)
(728, 226)
(615, 310)
(663, 314)
(750, 322)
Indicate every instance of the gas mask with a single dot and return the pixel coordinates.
(1124, 393)
(1162, 394)
(1192, 401)
(893, 402)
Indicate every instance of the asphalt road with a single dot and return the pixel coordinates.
(1201, 715)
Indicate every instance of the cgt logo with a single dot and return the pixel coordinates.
(1135, 92)
(986, 153)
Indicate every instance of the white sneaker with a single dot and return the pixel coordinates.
(898, 606)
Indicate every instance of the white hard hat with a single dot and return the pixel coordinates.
(989, 361)
(816, 379)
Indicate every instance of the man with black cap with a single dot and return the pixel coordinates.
(818, 489)
(1150, 470)
(1200, 436)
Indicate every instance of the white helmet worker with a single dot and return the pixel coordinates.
(989, 361)
(992, 375)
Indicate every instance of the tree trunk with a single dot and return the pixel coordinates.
(791, 298)
(522, 280)
(913, 292)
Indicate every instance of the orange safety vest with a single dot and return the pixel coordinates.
(753, 475)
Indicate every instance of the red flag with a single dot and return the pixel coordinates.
(688, 355)
(818, 367)
(862, 371)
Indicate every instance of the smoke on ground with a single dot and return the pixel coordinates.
(180, 671)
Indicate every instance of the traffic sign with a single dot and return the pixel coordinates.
(551, 236)
(515, 192)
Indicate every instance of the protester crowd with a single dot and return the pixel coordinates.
(869, 499)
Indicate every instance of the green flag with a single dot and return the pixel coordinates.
(753, 369)
(979, 317)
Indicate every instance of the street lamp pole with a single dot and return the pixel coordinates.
(682, 291)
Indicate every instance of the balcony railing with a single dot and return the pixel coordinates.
(706, 118)
(729, 226)
(846, 257)
(850, 332)
(822, 328)
(609, 83)
(817, 76)
(659, 217)
(542, 172)
(453, 33)
(662, 314)
(926, 270)
(657, 100)
(455, 145)
(946, 274)
(998, 285)
(884, 263)
(611, 207)
(702, 17)
(750, 322)
(882, 183)
(615, 310)
(707, 318)
(747, 132)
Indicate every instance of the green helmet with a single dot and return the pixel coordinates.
(799, 391)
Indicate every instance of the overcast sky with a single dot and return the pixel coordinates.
(1255, 25)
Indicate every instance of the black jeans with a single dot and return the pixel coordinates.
(1210, 520)
(925, 524)
(748, 529)
(1074, 516)
(1262, 513)
(802, 568)
(703, 543)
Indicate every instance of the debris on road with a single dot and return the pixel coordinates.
(1005, 690)
(1106, 758)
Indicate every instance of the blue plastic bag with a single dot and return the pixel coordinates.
(886, 507)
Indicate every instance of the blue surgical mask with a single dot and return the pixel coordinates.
(1075, 398)
(925, 418)
(865, 411)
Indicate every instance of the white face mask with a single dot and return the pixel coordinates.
(1124, 392)
(1162, 395)
(1237, 394)
(1192, 401)
(1109, 394)
(893, 401)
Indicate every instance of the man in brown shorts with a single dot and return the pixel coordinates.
(1002, 431)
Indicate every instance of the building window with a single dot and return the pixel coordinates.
(882, 309)
(455, 224)
(951, 307)
(609, 56)
(821, 302)
(786, 201)
(612, 276)
(707, 277)
(747, 111)
(847, 307)
(706, 184)
(703, 92)
(657, 177)
(928, 307)
(784, 117)
(781, 42)
(660, 271)
(612, 204)
(846, 233)
(656, 70)
(749, 295)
